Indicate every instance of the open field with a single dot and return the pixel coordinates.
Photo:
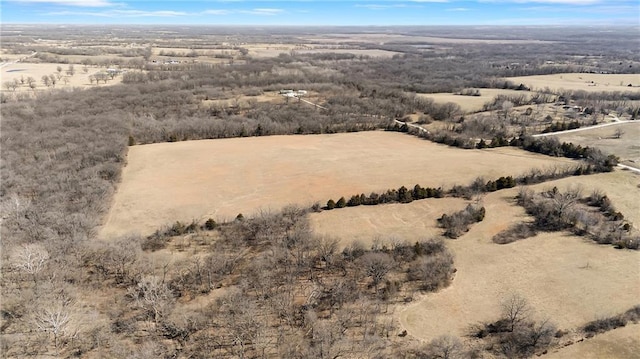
(566, 278)
(627, 147)
(258, 50)
(474, 103)
(80, 79)
(581, 81)
(166, 182)
(390, 222)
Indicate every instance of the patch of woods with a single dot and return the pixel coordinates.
(597, 160)
(272, 289)
(593, 216)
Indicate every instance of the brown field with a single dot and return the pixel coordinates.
(473, 103)
(80, 79)
(581, 81)
(566, 278)
(183, 181)
(273, 50)
(618, 343)
(385, 223)
(627, 147)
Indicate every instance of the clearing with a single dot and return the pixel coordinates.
(581, 81)
(166, 182)
(470, 104)
(566, 278)
(37, 70)
(626, 147)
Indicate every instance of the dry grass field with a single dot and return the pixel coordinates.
(627, 147)
(385, 223)
(183, 181)
(566, 278)
(581, 81)
(258, 50)
(80, 79)
(473, 103)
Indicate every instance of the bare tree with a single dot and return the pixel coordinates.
(71, 70)
(444, 347)
(31, 259)
(515, 310)
(377, 266)
(11, 85)
(618, 133)
(154, 296)
(55, 321)
(31, 82)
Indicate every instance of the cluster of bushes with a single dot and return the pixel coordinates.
(605, 324)
(457, 223)
(554, 211)
(516, 334)
(562, 126)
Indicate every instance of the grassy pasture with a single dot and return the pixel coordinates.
(183, 181)
(80, 79)
(473, 103)
(581, 81)
(566, 278)
(627, 147)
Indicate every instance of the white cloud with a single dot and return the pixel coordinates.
(459, 9)
(264, 11)
(80, 3)
(121, 13)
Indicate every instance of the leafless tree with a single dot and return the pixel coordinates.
(10, 85)
(444, 347)
(54, 320)
(377, 266)
(515, 310)
(154, 296)
(618, 133)
(31, 82)
(31, 259)
(53, 79)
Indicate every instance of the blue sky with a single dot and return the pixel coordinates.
(318, 12)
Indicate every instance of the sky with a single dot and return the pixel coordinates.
(320, 12)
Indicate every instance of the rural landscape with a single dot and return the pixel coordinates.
(319, 192)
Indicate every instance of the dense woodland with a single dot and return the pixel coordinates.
(267, 286)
